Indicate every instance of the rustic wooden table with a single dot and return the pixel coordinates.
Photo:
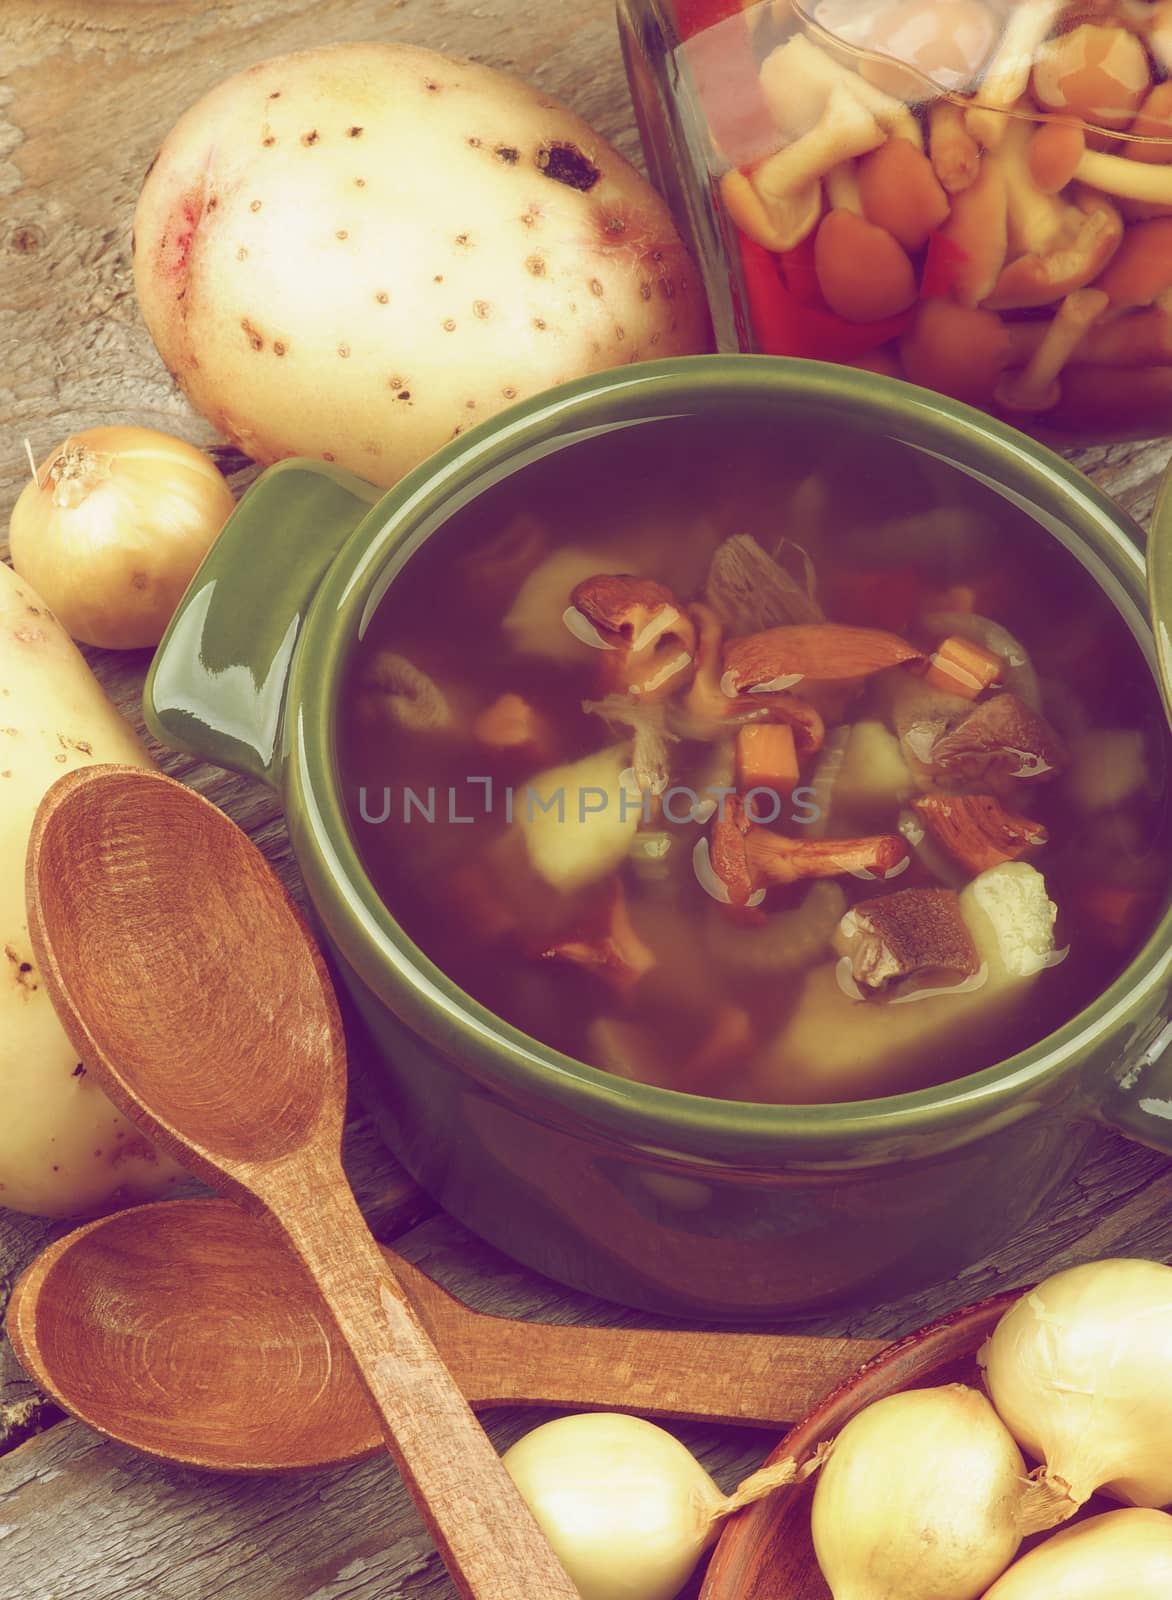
(87, 88)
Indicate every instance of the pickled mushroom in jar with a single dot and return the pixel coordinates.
(956, 185)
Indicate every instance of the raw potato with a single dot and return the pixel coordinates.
(873, 776)
(360, 251)
(64, 1150)
(586, 833)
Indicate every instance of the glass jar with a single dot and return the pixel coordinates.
(974, 195)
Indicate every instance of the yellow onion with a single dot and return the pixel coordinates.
(628, 1509)
(1080, 1371)
(1125, 1555)
(112, 529)
(918, 1499)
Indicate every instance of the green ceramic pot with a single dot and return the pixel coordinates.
(669, 1202)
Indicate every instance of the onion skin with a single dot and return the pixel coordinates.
(1124, 1555)
(112, 531)
(1080, 1371)
(918, 1499)
(627, 1508)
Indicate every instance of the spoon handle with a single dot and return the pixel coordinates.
(744, 1379)
(485, 1533)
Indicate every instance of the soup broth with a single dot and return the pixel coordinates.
(723, 760)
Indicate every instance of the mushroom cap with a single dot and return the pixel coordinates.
(864, 273)
(1096, 72)
(1153, 121)
(1040, 280)
(957, 350)
(947, 42)
(901, 192)
(1054, 153)
(1141, 269)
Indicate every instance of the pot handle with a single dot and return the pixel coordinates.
(1160, 585)
(1141, 1106)
(216, 688)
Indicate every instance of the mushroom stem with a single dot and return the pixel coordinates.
(747, 858)
(1038, 221)
(1149, 139)
(1129, 180)
(1008, 74)
(1055, 150)
(776, 859)
(799, 70)
(748, 212)
(1131, 340)
(1035, 387)
(842, 189)
(979, 229)
(954, 153)
(789, 183)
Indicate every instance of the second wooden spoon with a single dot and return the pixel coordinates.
(186, 1330)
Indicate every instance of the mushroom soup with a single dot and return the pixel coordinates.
(722, 764)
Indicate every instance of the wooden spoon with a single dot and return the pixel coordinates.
(191, 988)
(187, 1330)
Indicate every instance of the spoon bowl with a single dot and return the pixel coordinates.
(187, 1330)
(129, 864)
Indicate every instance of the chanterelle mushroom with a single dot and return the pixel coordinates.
(747, 858)
(605, 945)
(708, 710)
(649, 639)
(977, 830)
(830, 652)
(915, 933)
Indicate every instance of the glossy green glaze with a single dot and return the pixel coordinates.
(667, 1201)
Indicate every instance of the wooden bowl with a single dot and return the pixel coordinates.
(766, 1552)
